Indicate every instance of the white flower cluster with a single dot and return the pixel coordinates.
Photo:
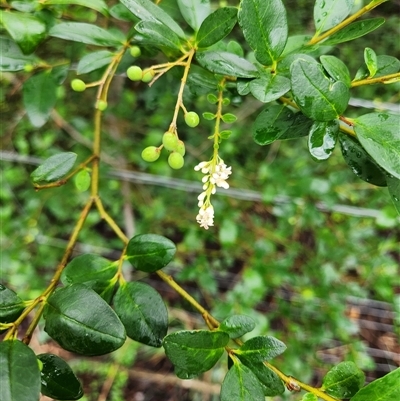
(215, 175)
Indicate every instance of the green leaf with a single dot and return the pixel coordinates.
(11, 305)
(371, 61)
(150, 252)
(264, 26)
(146, 10)
(225, 63)
(343, 380)
(19, 373)
(54, 168)
(12, 59)
(194, 12)
(387, 65)
(336, 69)
(360, 162)
(27, 30)
(25, 6)
(142, 312)
(93, 61)
(228, 118)
(329, 13)
(300, 127)
(97, 5)
(269, 87)
(235, 48)
(271, 123)
(84, 33)
(194, 352)
(158, 35)
(394, 191)
(39, 97)
(241, 384)
(309, 397)
(82, 322)
(322, 139)
(355, 30)
(209, 116)
(225, 134)
(237, 325)
(82, 180)
(261, 348)
(201, 81)
(315, 94)
(216, 26)
(58, 379)
(379, 134)
(119, 11)
(387, 388)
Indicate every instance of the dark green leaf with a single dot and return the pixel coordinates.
(225, 63)
(54, 168)
(394, 191)
(261, 348)
(300, 127)
(84, 33)
(143, 313)
(360, 162)
(216, 26)
(98, 5)
(194, 11)
(201, 81)
(269, 87)
(19, 373)
(94, 61)
(158, 35)
(355, 30)
(285, 63)
(343, 380)
(119, 11)
(237, 325)
(315, 94)
(271, 123)
(11, 305)
(27, 30)
(336, 69)
(264, 26)
(58, 379)
(379, 134)
(194, 352)
(12, 58)
(60, 73)
(322, 139)
(82, 322)
(371, 61)
(387, 65)
(329, 13)
(150, 252)
(387, 388)
(241, 384)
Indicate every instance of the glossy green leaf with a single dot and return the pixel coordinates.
(225, 63)
(11, 305)
(194, 11)
(93, 61)
(54, 168)
(216, 26)
(39, 97)
(84, 33)
(58, 379)
(237, 325)
(360, 162)
(19, 373)
(371, 61)
(271, 123)
(322, 139)
(82, 322)
(97, 5)
(201, 81)
(269, 87)
(379, 134)
(12, 59)
(264, 26)
(285, 63)
(143, 313)
(336, 69)
(315, 94)
(329, 13)
(355, 30)
(194, 352)
(150, 252)
(387, 65)
(394, 191)
(27, 30)
(261, 348)
(300, 127)
(158, 35)
(119, 11)
(241, 384)
(146, 10)
(387, 388)
(343, 380)
(82, 180)
(309, 397)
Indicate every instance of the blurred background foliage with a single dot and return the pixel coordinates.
(323, 281)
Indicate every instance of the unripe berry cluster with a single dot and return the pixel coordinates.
(135, 73)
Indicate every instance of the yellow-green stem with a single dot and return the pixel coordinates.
(377, 80)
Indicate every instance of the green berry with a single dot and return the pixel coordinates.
(170, 141)
(192, 119)
(28, 67)
(78, 85)
(181, 148)
(148, 75)
(134, 73)
(150, 154)
(135, 51)
(101, 105)
(175, 160)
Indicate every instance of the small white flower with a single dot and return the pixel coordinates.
(206, 217)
